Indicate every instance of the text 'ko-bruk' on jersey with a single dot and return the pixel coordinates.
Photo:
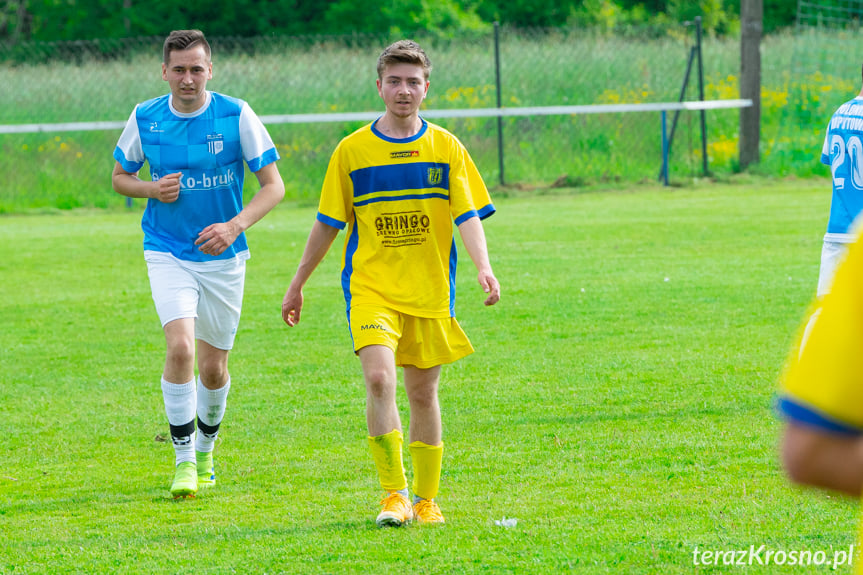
(209, 147)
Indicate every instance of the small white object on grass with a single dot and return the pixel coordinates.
(511, 522)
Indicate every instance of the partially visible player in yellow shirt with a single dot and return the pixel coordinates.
(398, 185)
(821, 394)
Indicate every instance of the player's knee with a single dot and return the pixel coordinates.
(379, 385)
(423, 398)
(214, 374)
(181, 352)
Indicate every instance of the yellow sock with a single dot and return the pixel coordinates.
(387, 453)
(426, 461)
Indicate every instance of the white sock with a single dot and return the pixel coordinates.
(211, 410)
(180, 408)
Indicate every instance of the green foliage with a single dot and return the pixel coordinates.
(58, 20)
(715, 18)
(401, 17)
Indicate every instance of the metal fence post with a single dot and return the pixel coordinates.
(701, 96)
(663, 175)
(499, 100)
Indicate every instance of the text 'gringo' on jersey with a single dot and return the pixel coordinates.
(398, 199)
(209, 147)
(843, 152)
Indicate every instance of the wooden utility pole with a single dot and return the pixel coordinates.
(751, 25)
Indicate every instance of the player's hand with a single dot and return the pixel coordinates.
(292, 305)
(216, 238)
(168, 188)
(489, 285)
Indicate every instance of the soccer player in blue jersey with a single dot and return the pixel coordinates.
(843, 152)
(398, 185)
(196, 142)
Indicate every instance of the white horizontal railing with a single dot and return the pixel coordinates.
(456, 113)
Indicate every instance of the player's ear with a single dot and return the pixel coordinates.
(164, 71)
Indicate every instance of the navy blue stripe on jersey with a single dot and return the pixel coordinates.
(397, 198)
(801, 414)
(453, 264)
(350, 250)
(397, 177)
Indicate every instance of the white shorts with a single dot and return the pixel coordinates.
(832, 254)
(214, 297)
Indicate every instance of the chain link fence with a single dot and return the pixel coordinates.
(812, 76)
(102, 81)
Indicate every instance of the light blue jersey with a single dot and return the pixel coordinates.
(843, 152)
(208, 146)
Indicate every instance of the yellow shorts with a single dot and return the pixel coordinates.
(419, 341)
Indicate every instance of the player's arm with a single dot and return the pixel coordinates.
(822, 459)
(165, 189)
(320, 239)
(217, 237)
(473, 237)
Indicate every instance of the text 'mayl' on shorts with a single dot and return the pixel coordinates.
(418, 341)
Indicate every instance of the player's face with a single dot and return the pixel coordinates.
(187, 72)
(403, 87)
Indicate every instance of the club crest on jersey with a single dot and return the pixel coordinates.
(215, 143)
(435, 175)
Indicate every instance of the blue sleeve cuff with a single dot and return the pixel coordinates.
(481, 213)
(332, 222)
(798, 413)
(465, 217)
(131, 167)
(486, 211)
(267, 158)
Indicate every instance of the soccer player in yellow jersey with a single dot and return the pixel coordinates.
(821, 395)
(398, 184)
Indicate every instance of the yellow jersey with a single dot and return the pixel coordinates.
(823, 381)
(398, 199)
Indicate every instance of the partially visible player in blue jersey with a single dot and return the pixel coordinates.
(843, 152)
(196, 142)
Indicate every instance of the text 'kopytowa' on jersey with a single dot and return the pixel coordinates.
(209, 147)
(843, 152)
(399, 199)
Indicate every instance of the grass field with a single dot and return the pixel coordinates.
(619, 403)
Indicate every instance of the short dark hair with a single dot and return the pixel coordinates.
(404, 52)
(183, 40)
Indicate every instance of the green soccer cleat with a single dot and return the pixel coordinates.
(185, 480)
(206, 469)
